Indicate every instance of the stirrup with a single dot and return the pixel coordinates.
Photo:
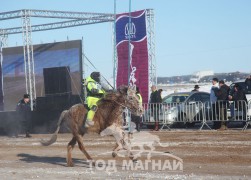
(89, 123)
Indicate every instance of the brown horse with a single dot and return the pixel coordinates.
(108, 114)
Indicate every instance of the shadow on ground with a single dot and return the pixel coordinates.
(28, 158)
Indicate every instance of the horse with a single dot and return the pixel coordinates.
(109, 113)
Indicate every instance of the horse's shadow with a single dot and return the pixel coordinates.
(28, 158)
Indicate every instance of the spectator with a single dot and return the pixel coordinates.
(159, 97)
(248, 84)
(196, 88)
(154, 99)
(240, 101)
(24, 108)
(213, 100)
(222, 101)
(153, 96)
(137, 119)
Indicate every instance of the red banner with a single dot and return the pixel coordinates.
(138, 53)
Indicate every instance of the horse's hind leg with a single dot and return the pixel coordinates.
(82, 148)
(70, 147)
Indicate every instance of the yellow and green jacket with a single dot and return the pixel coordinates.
(94, 89)
(140, 98)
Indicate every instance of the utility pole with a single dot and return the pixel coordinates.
(114, 47)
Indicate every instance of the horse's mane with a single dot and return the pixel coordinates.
(113, 95)
(109, 109)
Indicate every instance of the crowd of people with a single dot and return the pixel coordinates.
(221, 99)
(220, 96)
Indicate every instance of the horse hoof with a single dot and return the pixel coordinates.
(70, 164)
(114, 154)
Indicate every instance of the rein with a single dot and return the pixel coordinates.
(121, 105)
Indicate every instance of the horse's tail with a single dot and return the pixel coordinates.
(54, 136)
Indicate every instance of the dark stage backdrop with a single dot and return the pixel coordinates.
(60, 54)
(1, 88)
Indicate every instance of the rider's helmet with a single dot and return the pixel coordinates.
(96, 76)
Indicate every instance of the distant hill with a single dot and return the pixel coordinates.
(232, 76)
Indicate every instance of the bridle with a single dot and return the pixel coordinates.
(120, 104)
(123, 105)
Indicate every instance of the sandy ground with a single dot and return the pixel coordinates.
(205, 154)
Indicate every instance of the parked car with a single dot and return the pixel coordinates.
(182, 107)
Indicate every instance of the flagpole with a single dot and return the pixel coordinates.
(129, 42)
(114, 47)
(129, 58)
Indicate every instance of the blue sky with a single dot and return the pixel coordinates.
(191, 35)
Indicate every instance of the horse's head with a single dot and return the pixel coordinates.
(131, 100)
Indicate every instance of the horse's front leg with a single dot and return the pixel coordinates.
(119, 136)
(111, 131)
(115, 150)
(122, 144)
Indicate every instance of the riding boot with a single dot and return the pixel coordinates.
(156, 126)
(89, 121)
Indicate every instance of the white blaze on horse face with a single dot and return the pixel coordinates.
(131, 90)
(135, 105)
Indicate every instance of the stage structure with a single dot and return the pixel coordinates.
(69, 19)
(49, 56)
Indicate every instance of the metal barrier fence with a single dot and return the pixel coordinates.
(248, 115)
(193, 112)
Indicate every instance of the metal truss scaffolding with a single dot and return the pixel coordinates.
(28, 56)
(151, 47)
(70, 19)
(65, 19)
